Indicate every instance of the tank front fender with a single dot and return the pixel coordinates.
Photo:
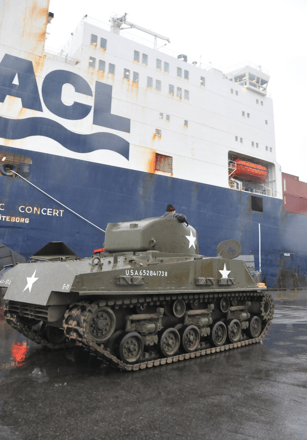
(36, 283)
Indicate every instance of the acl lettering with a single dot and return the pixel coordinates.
(27, 90)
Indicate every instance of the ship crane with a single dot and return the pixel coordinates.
(118, 22)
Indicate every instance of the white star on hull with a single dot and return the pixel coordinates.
(191, 239)
(30, 282)
(225, 272)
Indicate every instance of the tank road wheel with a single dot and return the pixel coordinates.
(113, 342)
(234, 330)
(179, 308)
(190, 338)
(225, 304)
(219, 334)
(255, 327)
(101, 324)
(170, 342)
(267, 307)
(131, 348)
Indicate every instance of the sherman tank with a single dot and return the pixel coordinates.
(148, 298)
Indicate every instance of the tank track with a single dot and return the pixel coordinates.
(33, 334)
(80, 310)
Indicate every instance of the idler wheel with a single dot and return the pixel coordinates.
(190, 338)
(267, 307)
(234, 330)
(131, 348)
(255, 327)
(225, 304)
(170, 342)
(219, 334)
(101, 324)
(55, 335)
(179, 308)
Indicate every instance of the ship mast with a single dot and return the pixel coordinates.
(117, 23)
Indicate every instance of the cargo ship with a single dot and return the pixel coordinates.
(113, 128)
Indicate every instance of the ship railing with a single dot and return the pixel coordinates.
(265, 190)
(235, 184)
(238, 186)
(247, 63)
(232, 166)
(51, 53)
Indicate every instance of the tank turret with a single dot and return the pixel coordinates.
(148, 299)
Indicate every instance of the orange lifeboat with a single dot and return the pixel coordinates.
(250, 171)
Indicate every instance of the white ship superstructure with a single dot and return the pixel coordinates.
(198, 119)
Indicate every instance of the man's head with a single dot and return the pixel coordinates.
(170, 208)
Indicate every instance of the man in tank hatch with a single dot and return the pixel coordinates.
(171, 212)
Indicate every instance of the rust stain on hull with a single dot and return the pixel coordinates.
(33, 34)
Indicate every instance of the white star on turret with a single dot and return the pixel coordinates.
(225, 272)
(30, 282)
(191, 239)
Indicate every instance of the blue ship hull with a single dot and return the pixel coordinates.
(104, 194)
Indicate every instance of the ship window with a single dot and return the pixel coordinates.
(186, 94)
(257, 204)
(149, 81)
(171, 89)
(236, 138)
(158, 132)
(186, 123)
(168, 118)
(158, 64)
(179, 72)
(257, 101)
(135, 77)
(179, 92)
(112, 68)
(127, 74)
(231, 90)
(136, 56)
(186, 74)
(94, 40)
(257, 145)
(241, 140)
(202, 81)
(166, 67)
(102, 65)
(145, 58)
(160, 115)
(266, 148)
(158, 84)
(266, 122)
(164, 163)
(253, 144)
(248, 115)
(92, 62)
(271, 149)
(261, 102)
(103, 43)
(243, 113)
(237, 92)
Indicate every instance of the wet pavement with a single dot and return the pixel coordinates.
(255, 392)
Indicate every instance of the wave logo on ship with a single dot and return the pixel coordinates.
(27, 90)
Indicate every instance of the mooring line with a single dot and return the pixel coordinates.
(57, 201)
